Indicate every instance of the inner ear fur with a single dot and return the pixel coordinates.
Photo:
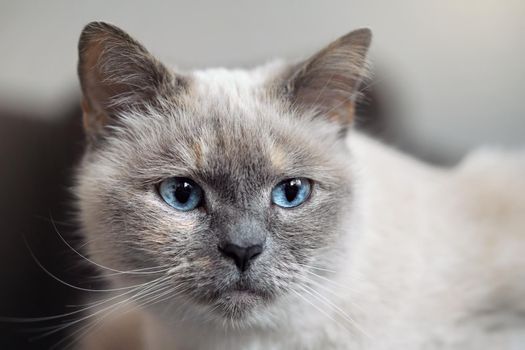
(327, 83)
(117, 73)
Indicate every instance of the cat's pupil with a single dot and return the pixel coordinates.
(291, 189)
(183, 192)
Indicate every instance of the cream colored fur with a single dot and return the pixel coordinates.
(436, 260)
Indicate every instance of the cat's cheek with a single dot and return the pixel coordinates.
(183, 224)
(306, 229)
(177, 221)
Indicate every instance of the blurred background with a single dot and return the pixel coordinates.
(448, 77)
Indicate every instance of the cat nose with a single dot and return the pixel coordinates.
(242, 256)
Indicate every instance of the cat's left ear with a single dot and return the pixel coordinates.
(327, 83)
(116, 74)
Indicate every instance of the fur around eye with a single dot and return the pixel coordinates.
(292, 192)
(181, 193)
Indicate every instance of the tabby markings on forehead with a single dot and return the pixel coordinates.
(199, 156)
(277, 157)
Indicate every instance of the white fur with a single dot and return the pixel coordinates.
(435, 261)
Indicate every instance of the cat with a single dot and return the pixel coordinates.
(238, 209)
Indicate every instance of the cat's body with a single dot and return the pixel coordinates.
(388, 253)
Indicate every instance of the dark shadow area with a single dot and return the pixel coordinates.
(370, 113)
(37, 158)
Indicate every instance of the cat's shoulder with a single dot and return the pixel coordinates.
(493, 183)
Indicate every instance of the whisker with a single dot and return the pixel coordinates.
(88, 259)
(161, 293)
(337, 284)
(315, 267)
(105, 309)
(319, 309)
(327, 302)
(84, 308)
(49, 273)
(80, 333)
(319, 285)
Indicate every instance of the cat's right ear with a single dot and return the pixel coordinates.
(327, 83)
(116, 74)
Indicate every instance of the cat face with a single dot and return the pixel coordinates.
(233, 183)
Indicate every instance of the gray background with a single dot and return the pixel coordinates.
(450, 72)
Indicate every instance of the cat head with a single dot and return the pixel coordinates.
(223, 187)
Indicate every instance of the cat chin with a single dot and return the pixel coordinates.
(239, 301)
(240, 305)
(232, 310)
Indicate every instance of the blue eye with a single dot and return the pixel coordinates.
(292, 192)
(181, 193)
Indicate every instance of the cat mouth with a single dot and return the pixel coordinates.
(241, 295)
(244, 291)
(237, 301)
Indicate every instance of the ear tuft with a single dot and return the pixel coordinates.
(328, 82)
(117, 73)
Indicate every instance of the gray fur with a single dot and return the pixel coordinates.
(237, 134)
